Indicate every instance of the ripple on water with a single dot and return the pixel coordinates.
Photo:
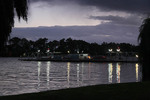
(27, 77)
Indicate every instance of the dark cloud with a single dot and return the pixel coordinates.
(119, 28)
(127, 20)
(141, 6)
(136, 6)
(100, 33)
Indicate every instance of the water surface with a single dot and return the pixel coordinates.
(17, 77)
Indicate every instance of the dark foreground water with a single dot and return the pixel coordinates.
(17, 77)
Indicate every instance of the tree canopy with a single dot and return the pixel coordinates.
(19, 46)
(8, 10)
(144, 44)
(144, 39)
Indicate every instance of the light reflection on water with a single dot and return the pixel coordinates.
(118, 69)
(39, 70)
(110, 70)
(48, 73)
(137, 72)
(68, 73)
(26, 77)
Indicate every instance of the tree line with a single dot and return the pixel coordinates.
(17, 47)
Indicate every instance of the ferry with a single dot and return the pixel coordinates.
(82, 58)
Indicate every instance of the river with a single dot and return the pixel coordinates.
(17, 77)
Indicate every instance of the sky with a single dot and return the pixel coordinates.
(90, 20)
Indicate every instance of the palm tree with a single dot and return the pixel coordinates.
(144, 52)
(8, 9)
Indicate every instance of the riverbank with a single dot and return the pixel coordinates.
(82, 60)
(124, 91)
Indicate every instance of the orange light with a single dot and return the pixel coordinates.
(89, 57)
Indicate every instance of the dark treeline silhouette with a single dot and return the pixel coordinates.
(144, 51)
(23, 47)
(8, 9)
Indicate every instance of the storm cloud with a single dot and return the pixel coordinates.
(128, 20)
(100, 33)
(130, 12)
(131, 6)
(90, 20)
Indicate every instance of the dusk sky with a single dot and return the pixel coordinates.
(90, 20)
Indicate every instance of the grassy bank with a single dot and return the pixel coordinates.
(125, 91)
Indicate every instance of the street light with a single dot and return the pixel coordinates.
(118, 50)
(137, 56)
(38, 51)
(38, 54)
(82, 51)
(68, 51)
(110, 50)
(48, 51)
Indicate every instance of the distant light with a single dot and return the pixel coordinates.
(118, 50)
(38, 51)
(89, 57)
(48, 51)
(110, 50)
(137, 56)
(68, 51)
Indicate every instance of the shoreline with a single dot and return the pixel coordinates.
(74, 60)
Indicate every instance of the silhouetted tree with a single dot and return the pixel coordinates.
(23, 47)
(62, 46)
(144, 45)
(7, 13)
(16, 46)
(41, 44)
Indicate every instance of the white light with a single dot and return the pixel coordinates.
(110, 50)
(68, 51)
(48, 50)
(38, 50)
(118, 50)
(136, 56)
